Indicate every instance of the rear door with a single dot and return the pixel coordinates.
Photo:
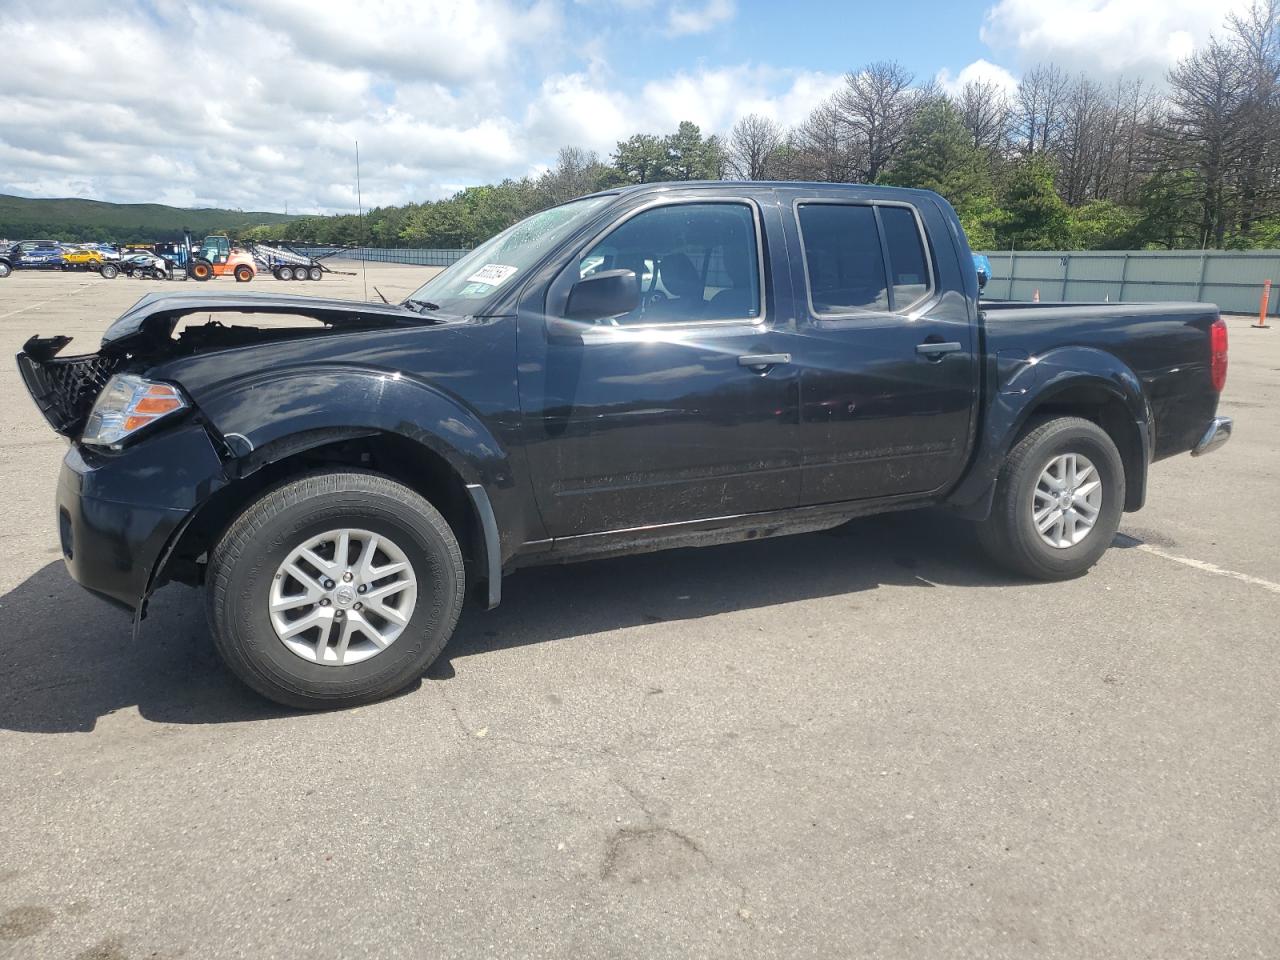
(685, 409)
(888, 366)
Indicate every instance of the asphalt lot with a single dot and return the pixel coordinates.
(857, 743)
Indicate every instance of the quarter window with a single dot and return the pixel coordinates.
(909, 266)
(695, 262)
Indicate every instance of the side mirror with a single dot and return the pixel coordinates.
(610, 293)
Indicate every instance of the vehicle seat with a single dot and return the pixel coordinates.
(684, 287)
(737, 301)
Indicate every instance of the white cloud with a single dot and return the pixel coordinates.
(1139, 37)
(588, 109)
(258, 104)
(684, 19)
(980, 71)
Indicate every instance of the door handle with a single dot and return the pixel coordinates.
(936, 351)
(763, 362)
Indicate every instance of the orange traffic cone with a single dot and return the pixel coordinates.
(1262, 307)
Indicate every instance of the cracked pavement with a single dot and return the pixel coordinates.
(864, 742)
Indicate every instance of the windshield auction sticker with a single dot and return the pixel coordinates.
(492, 274)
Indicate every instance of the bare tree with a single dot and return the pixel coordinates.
(984, 107)
(753, 146)
(876, 107)
(819, 148)
(1037, 110)
(1255, 37)
(1209, 93)
(1083, 140)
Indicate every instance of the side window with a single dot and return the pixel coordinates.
(843, 258)
(909, 266)
(694, 261)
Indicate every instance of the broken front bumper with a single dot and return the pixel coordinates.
(118, 512)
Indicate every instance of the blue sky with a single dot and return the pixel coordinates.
(257, 104)
(923, 34)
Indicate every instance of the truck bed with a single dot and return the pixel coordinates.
(1167, 345)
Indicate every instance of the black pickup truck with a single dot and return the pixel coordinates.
(659, 366)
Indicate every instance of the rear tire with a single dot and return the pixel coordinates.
(243, 274)
(249, 574)
(1037, 488)
(5, 270)
(285, 273)
(315, 273)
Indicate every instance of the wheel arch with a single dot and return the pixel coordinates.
(1099, 402)
(1080, 382)
(465, 507)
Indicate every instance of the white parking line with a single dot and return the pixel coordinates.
(1208, 567)
(32, 306)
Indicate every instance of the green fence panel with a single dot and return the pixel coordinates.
(1231, 279)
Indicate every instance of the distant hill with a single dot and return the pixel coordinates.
(74, 220)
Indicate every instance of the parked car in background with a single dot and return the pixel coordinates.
(82, 258)
(36, 255)
(658, 366)
(139, 264)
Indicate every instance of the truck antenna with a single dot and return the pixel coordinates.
(364, 253)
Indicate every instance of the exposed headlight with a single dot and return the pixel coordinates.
(128, 404)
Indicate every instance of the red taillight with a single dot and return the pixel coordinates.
(1218, 354)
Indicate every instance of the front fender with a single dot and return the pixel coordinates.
(1021, 385)
(261, 411)
(268, 416)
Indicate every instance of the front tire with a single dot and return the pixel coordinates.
(200, 270)
(284, 593)
(1058, 501)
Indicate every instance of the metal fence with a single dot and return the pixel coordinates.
(1231, 279)
(416, 257)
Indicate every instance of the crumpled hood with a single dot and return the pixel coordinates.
(156, 314)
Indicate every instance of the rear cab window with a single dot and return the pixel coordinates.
(862, 258)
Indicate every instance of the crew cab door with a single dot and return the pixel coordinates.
(687, 407)
(887, 353)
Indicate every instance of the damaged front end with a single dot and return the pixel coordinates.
(65, 388)
(143, 457)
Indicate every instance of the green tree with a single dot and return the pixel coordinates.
(1103, 225)
(690, 156)
(683, 155)
(938, 154)
(641, 158)
(1170, 211)
(1036, 217)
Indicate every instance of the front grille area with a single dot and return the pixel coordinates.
(64, 388)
